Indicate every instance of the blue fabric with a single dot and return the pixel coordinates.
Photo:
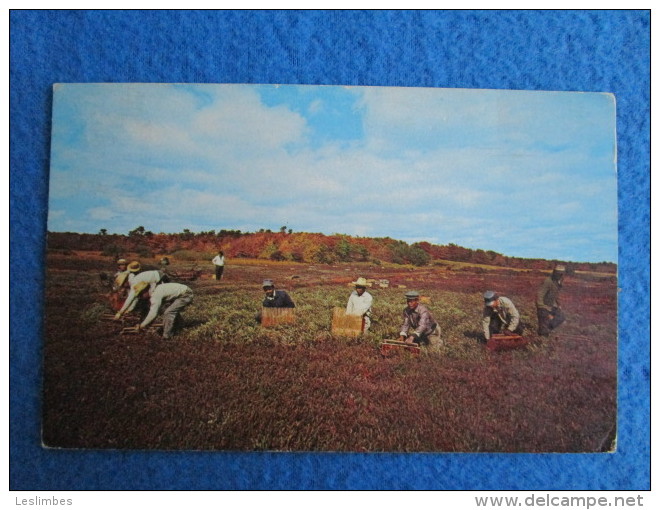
(537, 50)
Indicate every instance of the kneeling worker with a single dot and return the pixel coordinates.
(276, 298)
(175, 296)
(359, 303)
(425, 329)
(500, 316)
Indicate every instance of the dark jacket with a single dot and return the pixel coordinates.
(547, 297)
(280, 299)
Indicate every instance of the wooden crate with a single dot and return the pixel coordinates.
(391, 348)
(275, 316)
(346, 325)
(502, 342)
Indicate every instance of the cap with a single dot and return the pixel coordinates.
(413, 294)
(122, 262)
(268, 283)
(490, 297)
(560, 269)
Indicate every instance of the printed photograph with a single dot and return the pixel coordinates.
(298, 268)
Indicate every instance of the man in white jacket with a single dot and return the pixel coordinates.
(219, 263)
(175, 296)
(151, 278)
(359, 303)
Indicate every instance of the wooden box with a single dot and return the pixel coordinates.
(275, 316)
(346, 325)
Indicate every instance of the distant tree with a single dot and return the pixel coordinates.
(103, 232)
(417, 256)
(290, 231)
(139, 231)
(283, 229)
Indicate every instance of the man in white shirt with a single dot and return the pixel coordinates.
(359, 303)
(175, 296)
(219, 262)
(152, 278)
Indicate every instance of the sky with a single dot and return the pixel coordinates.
(523, 173)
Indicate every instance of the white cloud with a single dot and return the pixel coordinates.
(457, 166)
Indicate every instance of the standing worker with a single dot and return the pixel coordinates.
(219, 263)
(175, 296)
(500, 315)
(425, 329)
(359, 303)
(549, 313)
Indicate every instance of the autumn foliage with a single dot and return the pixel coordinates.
(298, 247)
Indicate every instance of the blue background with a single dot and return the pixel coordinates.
(596, 51)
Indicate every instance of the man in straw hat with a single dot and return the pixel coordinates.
(359, 302)
(419, 326)
(500, 315)
(151, 278)
(175, 296)
(549, 313)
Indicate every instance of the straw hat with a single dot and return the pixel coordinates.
(134, 266)
(361, 282)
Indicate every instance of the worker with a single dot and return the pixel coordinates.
(419, 326)
(175, 296)
(276, 298)
(219, 263)
(151, 278)
(359, 303)
(549, 312)
(500, 315)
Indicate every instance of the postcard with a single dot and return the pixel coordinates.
(331, 269)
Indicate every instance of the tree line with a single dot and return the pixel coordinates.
(286, 245)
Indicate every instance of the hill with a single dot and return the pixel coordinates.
(300, 247)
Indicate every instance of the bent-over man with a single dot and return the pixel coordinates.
(500, 315)
(175, 296)
(151, 278)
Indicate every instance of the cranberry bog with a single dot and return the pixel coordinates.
(226, 383)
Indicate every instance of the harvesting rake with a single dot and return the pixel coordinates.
(133, 330)
(391, 348)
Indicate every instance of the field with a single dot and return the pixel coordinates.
(226, 383)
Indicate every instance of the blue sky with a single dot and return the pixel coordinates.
(527, 174)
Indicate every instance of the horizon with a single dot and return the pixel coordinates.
(271, 231)
(526, 174)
